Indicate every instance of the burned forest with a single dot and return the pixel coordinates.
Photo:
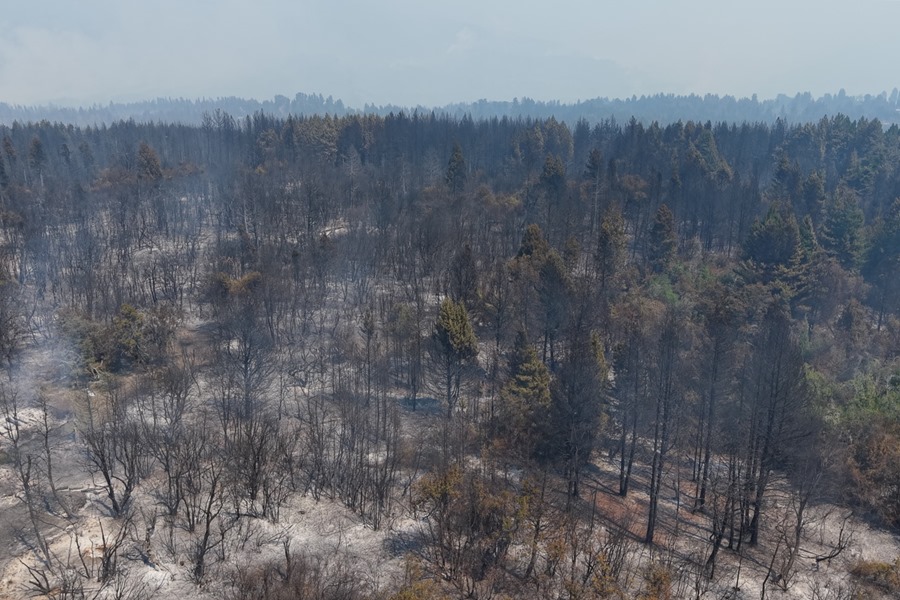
(416, 356)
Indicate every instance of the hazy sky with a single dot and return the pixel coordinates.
(419, 52)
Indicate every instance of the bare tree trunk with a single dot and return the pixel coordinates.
(48, 454)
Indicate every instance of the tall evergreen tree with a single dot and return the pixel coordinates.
(456, 170)
(662, 242)
(773, 249)
(525, 399)
(882, 266)
(843, 235)
(9, 149)
(576, 410)
(813, 193)
(149, 168)
(455, 346)
(36, 155)
(610, 256)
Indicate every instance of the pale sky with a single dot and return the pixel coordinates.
(411, 52)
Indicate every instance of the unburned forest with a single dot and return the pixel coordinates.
(420, 356)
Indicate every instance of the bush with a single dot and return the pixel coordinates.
(133, 337)
(879, 574)
(658, 581)
(874, 469)
(295, 578)
(83, 333)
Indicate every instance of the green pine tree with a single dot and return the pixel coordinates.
(843, 235)
(525, 398)
(455, 347)
(456, 171)
(773, 248)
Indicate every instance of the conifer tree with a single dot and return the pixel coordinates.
(149, 168)
(610, 257)
(662, 242)
(576, 409)
(456, 170)
(773, 248)
(882, 266)
(843, 233)
(525, 399)
(455, 347)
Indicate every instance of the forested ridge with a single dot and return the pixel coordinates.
(592, 361)
(662, 108)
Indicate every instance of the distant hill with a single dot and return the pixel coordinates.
(663, 108)
(173, 110)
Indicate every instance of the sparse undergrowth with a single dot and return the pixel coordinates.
(880, 575)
